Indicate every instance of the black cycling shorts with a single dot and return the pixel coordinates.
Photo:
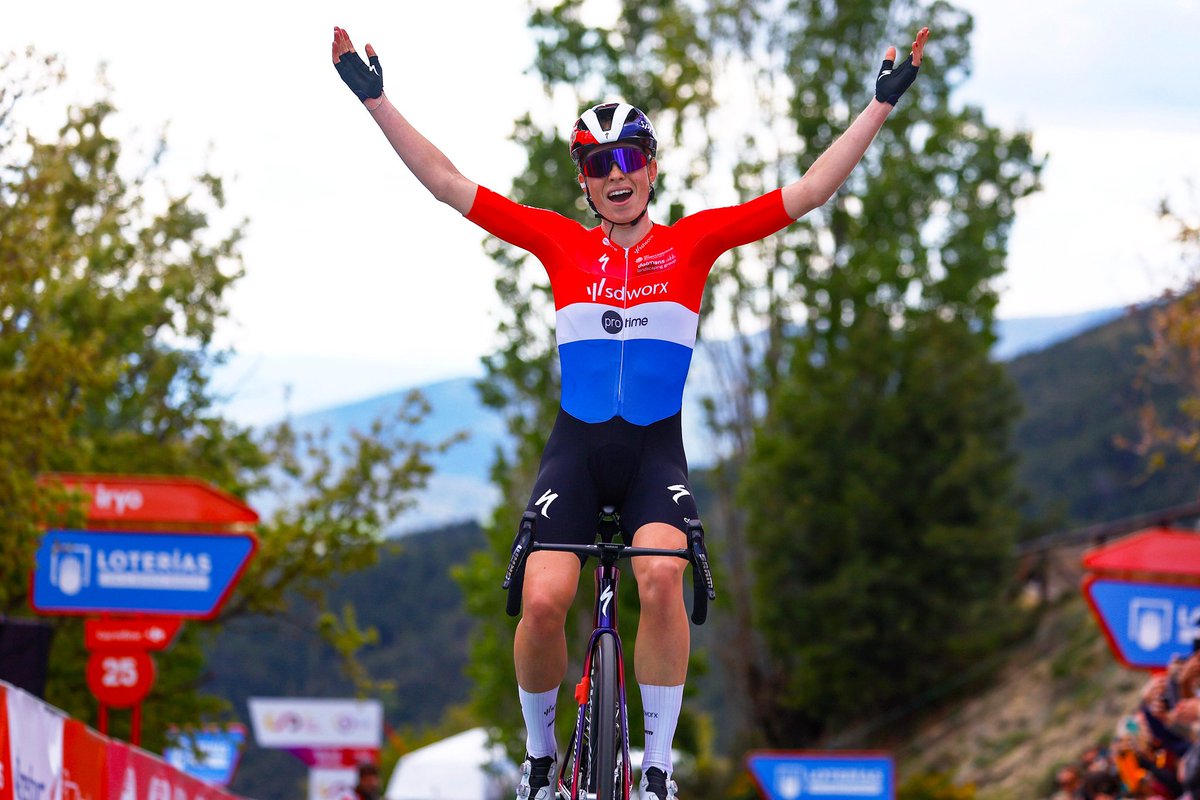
(639, 469)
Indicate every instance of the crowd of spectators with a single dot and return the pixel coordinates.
(1154, 752)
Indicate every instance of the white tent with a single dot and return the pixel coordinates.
(462, 767)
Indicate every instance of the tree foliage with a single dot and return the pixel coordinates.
(112, 284)
(879, 488)
(1172, 358)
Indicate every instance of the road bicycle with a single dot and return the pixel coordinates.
(596, 766)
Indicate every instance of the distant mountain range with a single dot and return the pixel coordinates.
(320, 393)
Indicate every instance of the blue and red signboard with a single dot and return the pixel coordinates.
(166, 547)
(1144, 590)
(1145, 623)
(210, 755)
(823, 775)
(175, 574)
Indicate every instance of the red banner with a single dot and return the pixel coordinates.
(55, 751)
(6, 772)
(84, 753)
(1161, 555)
(330, 757)
(134, 773)
(130, 634)
(140, 498)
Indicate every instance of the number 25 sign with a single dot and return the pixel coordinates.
(120, 679)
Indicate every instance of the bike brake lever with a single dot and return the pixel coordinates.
(520, 551)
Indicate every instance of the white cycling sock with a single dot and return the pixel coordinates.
(538, 710)
(660, 711)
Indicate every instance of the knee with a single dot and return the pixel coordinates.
(660, 581)
(543, 610)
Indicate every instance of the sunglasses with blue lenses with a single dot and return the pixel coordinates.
(628, 158)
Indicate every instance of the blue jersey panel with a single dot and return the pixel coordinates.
(654, 374)
(590, 372)
(640, 380)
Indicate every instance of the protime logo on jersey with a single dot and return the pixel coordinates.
(613, 322)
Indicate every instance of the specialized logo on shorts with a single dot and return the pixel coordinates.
(680, 491)
(549, 497)
(613, 322)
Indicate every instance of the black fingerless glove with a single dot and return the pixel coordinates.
(891, 83)
(366, 82)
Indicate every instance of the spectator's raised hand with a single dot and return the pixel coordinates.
(1186, 714)
(1189, 676)
(1154, 695)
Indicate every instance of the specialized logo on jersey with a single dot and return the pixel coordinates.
(680, 491)
(613, 323)
(604, 262)
(600, 291)
(549, 497)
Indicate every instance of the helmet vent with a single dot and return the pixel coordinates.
(615, 126)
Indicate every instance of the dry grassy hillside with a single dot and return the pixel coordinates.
(1058, 692)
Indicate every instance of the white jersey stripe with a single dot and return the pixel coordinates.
(665, 321)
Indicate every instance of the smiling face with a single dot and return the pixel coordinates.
(620, 196)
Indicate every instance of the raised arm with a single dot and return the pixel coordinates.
(431, 167)
(832, 167)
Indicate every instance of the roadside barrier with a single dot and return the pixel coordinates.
(46, 754)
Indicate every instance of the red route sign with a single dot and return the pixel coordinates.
(155, 499)
(120, 679)
(1156, 554)
(130, 634)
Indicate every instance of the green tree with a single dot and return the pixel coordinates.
(111, 286)
(879, 489)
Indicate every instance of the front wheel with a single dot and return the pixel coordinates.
(605, 768)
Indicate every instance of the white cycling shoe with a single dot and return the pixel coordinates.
(657, 785)
(538, 776)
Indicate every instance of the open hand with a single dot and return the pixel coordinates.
(891, 83)
(366, 82)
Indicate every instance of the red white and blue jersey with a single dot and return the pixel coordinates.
(627, 317)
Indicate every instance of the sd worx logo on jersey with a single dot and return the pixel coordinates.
(599, 291)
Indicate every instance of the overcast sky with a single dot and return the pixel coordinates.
(347, 256)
